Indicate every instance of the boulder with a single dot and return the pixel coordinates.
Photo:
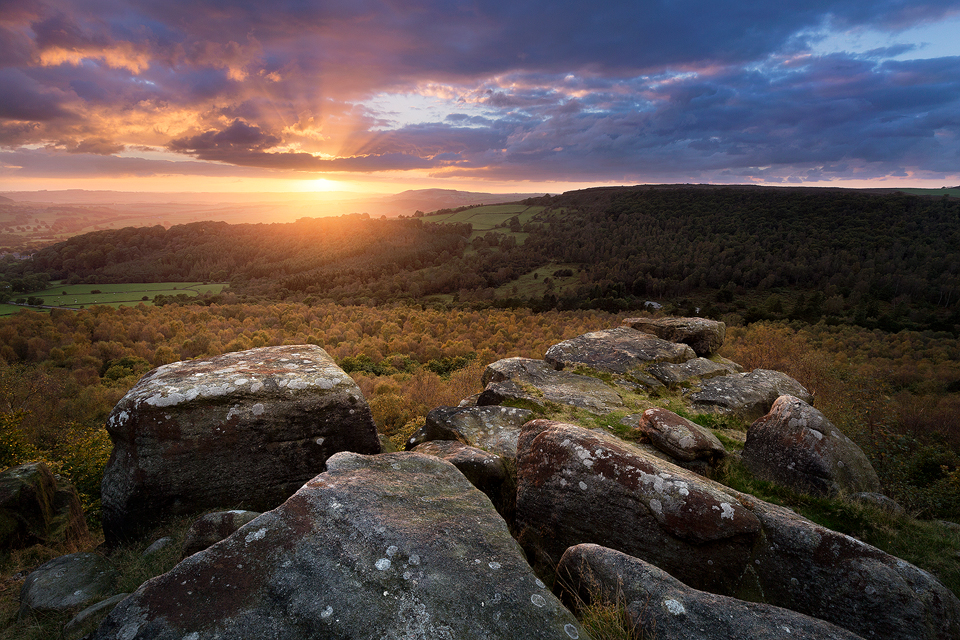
(747, 395)
(244, 429)
(89, 619)
(536, 382)
(835, 577)
(685, 373)
(675, 435)
(72, 581)
(704, 336)
(577, 486)
(486, 471)
(397, 545)
(879, 501)
(796, 446)
(491, 428)
(659, 605)
(211, 528)
(619, 351)
(36, 508)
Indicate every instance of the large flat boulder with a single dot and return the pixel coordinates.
(796, 446)
(244, 429)
(621, 350)
(747, 395)
(36, 508)
(703, 335)
(577, 486)
(398, 545)
(659, 605)
(526, 380)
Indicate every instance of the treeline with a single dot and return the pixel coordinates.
(846, 257)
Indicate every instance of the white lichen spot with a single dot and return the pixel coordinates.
(870, 590)
(192, 636)
(382, 564)
(571, 631)
(320, 440)
(540, 584)
(257, 409)
(407, 575)
(129, 631)
(256, 386)
(674, 607)
(392, 551)
(583, 485)
(538, 600)
(414, 560)
(326, 613)
(494, 565)
(256, 535)
(727, 511)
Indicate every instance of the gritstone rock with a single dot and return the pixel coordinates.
(747, 395)
(577, 486)
(536, 382)
(704, 336)
(621, 351)
(36, 508)
(663, 607)
(796, 446)
(246, 428)
(69, 582)
(398, 545)
(491, 428)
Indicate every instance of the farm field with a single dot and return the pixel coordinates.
(77, 296)
(486, 218)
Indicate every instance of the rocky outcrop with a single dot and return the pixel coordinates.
(678, 437)
(576, 486)
(36, 508)
(246, 428)
(72, 581)
(746, 395)
(398, 545)
(704, 336)
(659, 605)
(491, 428)
(211, 528)
(796, 446)
(622, 351)
(537, 383)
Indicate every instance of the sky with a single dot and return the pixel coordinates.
(489, 95)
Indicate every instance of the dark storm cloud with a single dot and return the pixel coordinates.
(555, 89)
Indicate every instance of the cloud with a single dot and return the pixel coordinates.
(505, 89)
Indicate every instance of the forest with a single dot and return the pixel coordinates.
(885, 261)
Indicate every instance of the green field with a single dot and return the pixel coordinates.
(487, 217)
(77, 296)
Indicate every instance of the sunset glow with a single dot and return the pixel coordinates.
(493, 96)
